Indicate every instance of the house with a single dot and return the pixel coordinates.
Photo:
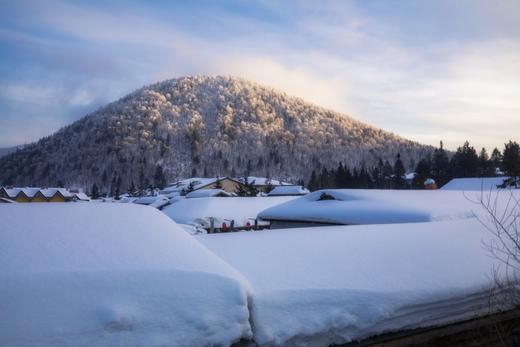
(34, 194)
(185, 186)
(57, 194)
(291, 190)
(20, 194)
(263, 184)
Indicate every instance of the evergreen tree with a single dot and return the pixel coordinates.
(496, 160)
(132, 189)
(248, 189)
(511, 161)
(485, 166)
(142, 182)
(340, 177)
(422, 173)
(465, 162)
(113, 184)
(377, 174)
(364, 179)
(325, 179)
(158, 178)
(399, 171)
(441, 166)
(104, 178)
(387, 175)
(94, 192)
(118, 187)
(313, 182)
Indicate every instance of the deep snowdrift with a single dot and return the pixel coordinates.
(112, 274)
(370, 206)
(334, 284)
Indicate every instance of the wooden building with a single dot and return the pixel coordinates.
(33, 194)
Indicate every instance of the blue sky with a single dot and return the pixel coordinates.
(427, 70)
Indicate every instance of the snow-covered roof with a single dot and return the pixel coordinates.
(239, 209)
(263, 181)
(409, 176)
(157, 201)
(46, 192)
(474, 183)
(128, 199)
(197, 182)
(288, 190)
(81, 196)
(429, 181)
(207, 193)
(113, 274)
(6, 200)
(50, 192)
(30, 191)
(367, 206)
(333, 285)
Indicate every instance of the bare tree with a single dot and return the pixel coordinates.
(501, 218)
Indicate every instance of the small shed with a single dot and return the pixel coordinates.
(430, 184)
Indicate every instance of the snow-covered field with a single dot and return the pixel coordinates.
(125, 274)
(334, 284)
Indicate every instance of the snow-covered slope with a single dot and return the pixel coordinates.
(112, 275)
(317, 286)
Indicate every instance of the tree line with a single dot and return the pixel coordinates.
(441, 166)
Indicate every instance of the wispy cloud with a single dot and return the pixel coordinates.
(430, 70)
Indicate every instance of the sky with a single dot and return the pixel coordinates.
(427, 70)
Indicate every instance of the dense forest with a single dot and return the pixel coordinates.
(440, 165)
(203, 127)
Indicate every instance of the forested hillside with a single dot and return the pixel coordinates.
(203, 126)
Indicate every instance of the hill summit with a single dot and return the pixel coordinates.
(202, 126)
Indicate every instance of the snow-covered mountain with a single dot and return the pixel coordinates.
(202, 126)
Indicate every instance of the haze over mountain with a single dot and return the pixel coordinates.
(202, 126)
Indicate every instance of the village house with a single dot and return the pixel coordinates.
(34, 194)
(189, 185)
(263, 184)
